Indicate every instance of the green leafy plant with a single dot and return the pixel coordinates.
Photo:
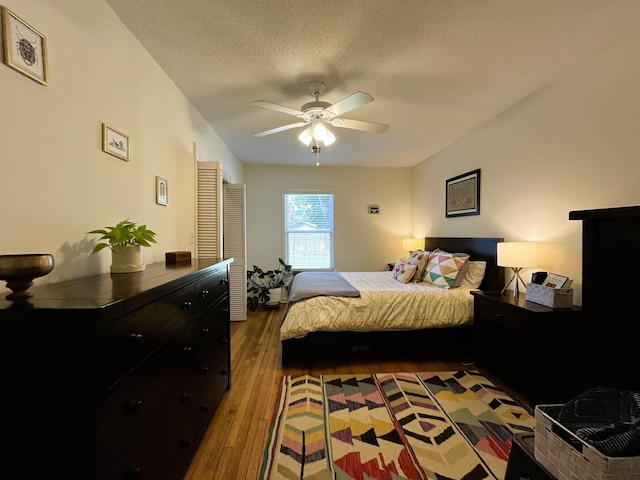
(123, 234)
(259, 282)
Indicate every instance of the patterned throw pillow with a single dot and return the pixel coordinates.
(419, 258)
(403, 272)
(443, 268)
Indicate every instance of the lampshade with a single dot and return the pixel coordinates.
(306, 136)
(317, 132)
(517, 254)
(412, 244)
(329, 139)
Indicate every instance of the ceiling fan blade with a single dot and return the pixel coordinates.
(280, 129)
(359, 125)
(349, 103)
(277, 108)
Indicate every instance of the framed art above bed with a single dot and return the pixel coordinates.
(463, 195)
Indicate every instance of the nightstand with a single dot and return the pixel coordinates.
(535, 350)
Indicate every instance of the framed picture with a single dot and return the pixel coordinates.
(162, 191)
(115, 143)
(25, 48)
(463, 195)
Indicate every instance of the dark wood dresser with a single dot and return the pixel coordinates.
(114, 376)
(610, 266)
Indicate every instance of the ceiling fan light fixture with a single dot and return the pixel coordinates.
(319, 131)
(306, 136)
(329, 139)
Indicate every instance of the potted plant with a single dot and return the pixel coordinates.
(266, 286)
(125, 241)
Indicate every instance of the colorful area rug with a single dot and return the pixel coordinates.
(425, 425)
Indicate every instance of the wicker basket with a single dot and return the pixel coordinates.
(568, 457)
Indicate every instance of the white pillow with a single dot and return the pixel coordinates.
(474, 274)
(403, 271)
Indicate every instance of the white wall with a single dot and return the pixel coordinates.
(362, 242)
(573, 145)
(55, 181)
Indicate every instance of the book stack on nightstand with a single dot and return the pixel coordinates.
(533, 349)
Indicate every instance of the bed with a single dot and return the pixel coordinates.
(439, 325)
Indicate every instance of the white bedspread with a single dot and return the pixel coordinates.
(384, 304)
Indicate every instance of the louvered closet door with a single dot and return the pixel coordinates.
(235, 246)
(208, 210)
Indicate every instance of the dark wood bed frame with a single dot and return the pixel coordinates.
(441, 342)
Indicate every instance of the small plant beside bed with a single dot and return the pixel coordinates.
(259, 282)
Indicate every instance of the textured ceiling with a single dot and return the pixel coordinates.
(437, 68)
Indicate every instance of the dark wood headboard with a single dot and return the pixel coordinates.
(481, 248)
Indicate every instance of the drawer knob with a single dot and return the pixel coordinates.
(224, 281)
(204, 293)
(205, 331)
(204, 370)
(225, 310)
(186, 352)
(204, 408)
(185, 397)
(185, 306)
(185, 442)
(224, 372)
(135, 338)
(133, 407)
(499, 316)
(133, 473)
(224, 341)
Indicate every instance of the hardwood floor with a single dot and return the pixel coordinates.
(235, 440)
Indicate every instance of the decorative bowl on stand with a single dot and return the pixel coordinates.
(20, 270)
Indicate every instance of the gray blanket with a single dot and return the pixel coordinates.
(314, 284)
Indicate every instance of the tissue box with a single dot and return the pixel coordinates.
(550, 297)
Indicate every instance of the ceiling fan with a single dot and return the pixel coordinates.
(318, 114)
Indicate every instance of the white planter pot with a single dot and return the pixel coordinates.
(127, 259)
(274, 296)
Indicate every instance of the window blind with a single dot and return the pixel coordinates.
(308, 230)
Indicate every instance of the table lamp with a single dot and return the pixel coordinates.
(517, 255)
(412, 244)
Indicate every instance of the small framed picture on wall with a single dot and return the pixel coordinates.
(115, 143)
(25, 48)
(162, 191)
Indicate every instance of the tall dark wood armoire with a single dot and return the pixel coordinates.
(611, 279)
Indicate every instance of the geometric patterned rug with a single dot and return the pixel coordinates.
(392, 426)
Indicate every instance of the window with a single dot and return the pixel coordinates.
(308, 230)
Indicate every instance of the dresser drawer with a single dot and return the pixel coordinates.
(209, 290)
(179, 420)
(134, 337)
(164, 448)
(496, 316)
(505, 338)
(132, 405)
